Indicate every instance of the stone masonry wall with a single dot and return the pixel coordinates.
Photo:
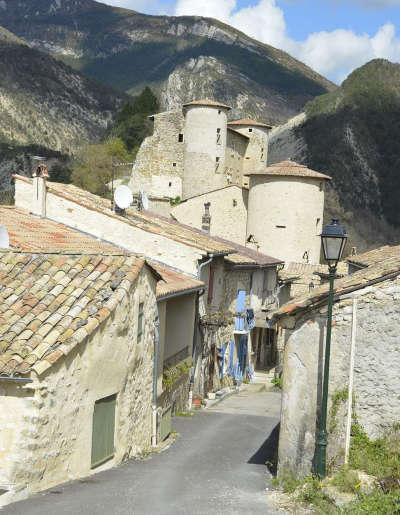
(236, 146)
(376, 383)
(53, 444)
(161, 155)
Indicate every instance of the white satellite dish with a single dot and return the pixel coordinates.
(4, 238)
(144, 200)
(123, 197)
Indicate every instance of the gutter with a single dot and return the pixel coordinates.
(19, 380)
(172, 295)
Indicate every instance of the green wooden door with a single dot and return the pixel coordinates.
(103, 430)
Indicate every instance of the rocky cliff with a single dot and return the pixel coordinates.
(179, 57)
(353, 135)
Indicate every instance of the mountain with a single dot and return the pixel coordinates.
(181, 58)
(46, 106)
(353, 134)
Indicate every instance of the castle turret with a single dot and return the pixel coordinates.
(285, 211)
(205, 144)
(255, 157)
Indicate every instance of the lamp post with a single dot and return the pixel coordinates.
(333, 238)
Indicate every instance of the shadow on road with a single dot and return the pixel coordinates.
(267, 454)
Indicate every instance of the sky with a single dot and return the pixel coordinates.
(332, 36)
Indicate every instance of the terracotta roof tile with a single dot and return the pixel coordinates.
(32, 340)
(174, 282)
(360, 279)
(290, 169)
(206, 102)
(372, 257)
(249, 121)
(159, 225)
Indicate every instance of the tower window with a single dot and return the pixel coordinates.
(234, 202)
(180, 138)
(218, 136)
(170, 184)
(217, 159)
(280, 226)
(250, 130)
(174, 164)
(219, 111)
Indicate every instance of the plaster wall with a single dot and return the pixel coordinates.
(228, 212)
(291, 209)
(204, 163)
(376, 386)
(114, 229)
(179, 325)
(53, 438)
(161, 154)
(236, 146)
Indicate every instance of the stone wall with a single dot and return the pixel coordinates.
(160, 158)
(51, 419)
(228, 210)
(236, 146)
(376, 372)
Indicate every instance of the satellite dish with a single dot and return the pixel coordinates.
(144, 200)
(123, 197)
(4, 238)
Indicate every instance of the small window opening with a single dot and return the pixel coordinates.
(218, 136)
(280, 226)
(174, 165)
(234, 202)
(170, 184)
(180, 138)
(250, 130)
(217, 159)
(219, 111)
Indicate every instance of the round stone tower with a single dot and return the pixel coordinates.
(205, 145)
(285, 212)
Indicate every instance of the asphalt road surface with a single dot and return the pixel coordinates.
(216, 466)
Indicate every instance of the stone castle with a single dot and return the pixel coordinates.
(213, 172)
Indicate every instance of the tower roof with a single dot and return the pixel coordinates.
(206, 102)
(249, 121)
(290, 168)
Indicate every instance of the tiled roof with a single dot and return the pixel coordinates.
(247, 257)
(156, 224)
(49, 303)
(249, 121)
(295, 270)
(375, 256)
(31, 233)
(360, 279)
(238, 133)
(290, 168)
(173, 282)
(206, 102)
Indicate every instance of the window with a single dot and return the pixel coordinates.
(262, 154)
(280, 226)
(219, 111)
(180, 138)
(174, 165)
(170, 184)
(217, 159)
(250, 130)
(140, 322)
(218, 136)
(234, 202)
(103, 430)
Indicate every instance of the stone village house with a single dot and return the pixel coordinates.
(366, 317)
(239, 281)
(78, 320)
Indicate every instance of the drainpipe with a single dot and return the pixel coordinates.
(351, 381)
(155, 377)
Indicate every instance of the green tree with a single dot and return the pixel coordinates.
(92, 170)
(132, 124)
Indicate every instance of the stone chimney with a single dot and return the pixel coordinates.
(206, 219)
(40, 175)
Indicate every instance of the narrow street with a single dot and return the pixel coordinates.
(216, 466)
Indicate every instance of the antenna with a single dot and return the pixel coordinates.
(4, 238)
(123, 197)
(144, 200)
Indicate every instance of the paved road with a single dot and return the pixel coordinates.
(216, 466)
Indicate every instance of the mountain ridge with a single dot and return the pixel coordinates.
(128, 50)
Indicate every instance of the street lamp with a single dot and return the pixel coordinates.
(333, 238)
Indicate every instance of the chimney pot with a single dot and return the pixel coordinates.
(206, 219)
